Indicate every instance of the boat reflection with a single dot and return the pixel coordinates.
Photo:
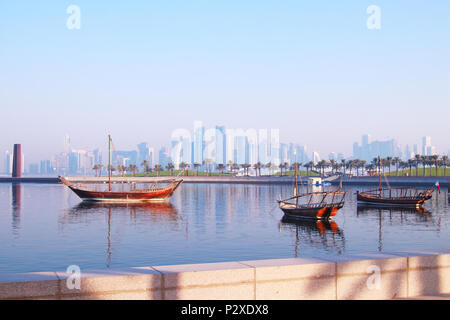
(320, 234)
(157, 210)
(394, 215)
(362, 209)
(140, 213)
(16, 200)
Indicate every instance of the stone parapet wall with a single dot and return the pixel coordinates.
(368, 276)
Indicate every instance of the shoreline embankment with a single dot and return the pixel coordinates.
(361, 180)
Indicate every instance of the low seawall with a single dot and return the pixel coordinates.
(366, 276)
(362, 180)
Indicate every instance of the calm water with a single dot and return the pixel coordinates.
(48, 228)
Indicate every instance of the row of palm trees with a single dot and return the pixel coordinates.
(351, 166)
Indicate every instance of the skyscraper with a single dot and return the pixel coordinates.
(17, 161)
(275, 146)
(426, 144)
(144, 153)
(221, 145)
(198, 143)
(8, 162)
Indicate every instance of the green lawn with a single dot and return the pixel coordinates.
(167, 173)
(420, 172)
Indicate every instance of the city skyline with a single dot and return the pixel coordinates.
(218, 145)
(312, 69)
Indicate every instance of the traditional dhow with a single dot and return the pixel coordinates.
(312, 205)
(395, 197)
(153, 193)
(128, 191)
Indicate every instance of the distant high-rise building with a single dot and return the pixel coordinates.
(415, 149)
(33, 169)
(408, 153)
(126, 158)
(198, 143)
(221, 145)
(8, 163)
(241, 149)
(365, 139)
(370, 150)
(284, 153)
(17, 161)
(263, 146)
(275, 146)
(315, 157)
(46, 167)
(66, 144)
(332, 156)
(426, 145)
(163, 157)
(144, 154)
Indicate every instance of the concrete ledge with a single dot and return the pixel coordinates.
(396, 275)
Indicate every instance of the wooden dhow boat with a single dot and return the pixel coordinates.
(312, 205)
(394, 197)
(132, 194)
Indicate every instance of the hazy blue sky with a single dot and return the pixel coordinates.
(140, 69)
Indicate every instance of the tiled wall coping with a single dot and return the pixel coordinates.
(363, 276)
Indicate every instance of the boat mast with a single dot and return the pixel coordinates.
(109, 161)
(296, 184)
(379, 174)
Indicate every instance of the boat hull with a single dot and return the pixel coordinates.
(153, 195)
(318, 213)
(390, 202)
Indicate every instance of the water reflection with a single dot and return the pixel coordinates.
(395, 215)
(324, 235)
(157, 211)
(148, 213)
(16, 191)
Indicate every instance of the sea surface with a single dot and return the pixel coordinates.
(45, 227)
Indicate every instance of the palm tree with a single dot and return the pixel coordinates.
(281, 166)
(445, 164)
(196, 166)
(435, 159)
(309, 165)
(343, 164)
(396, 162)
(158, 168)
(121, 168)
(170, 167)
(221, 167)
(257, 166)
(183, 165)
(208, 164)
(146, 166)
(230, 165)
(417, 160)
(235, 166)
(133, 168)
(246, 166)
(111, 168)
(362, 164)
(269, 166)
(96, 168)
(388, 164)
